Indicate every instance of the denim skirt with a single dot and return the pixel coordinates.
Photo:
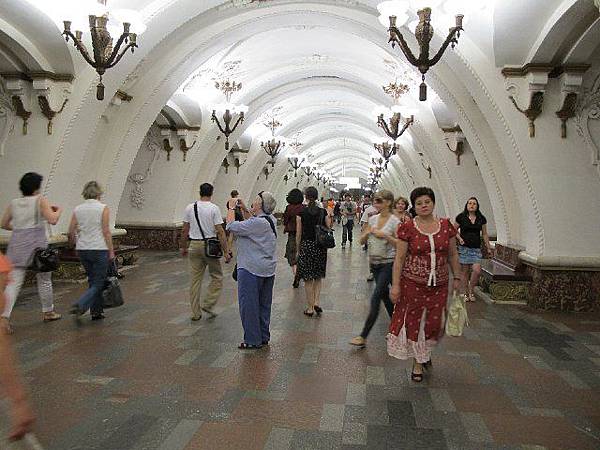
(467, 255)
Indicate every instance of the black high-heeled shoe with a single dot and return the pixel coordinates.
(318, 310)
(428, 365)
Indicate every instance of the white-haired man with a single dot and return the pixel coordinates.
(256, 263)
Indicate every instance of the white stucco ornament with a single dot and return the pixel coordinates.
(597, 3)
(7, 117)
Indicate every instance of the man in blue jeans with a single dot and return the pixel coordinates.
(348, 210)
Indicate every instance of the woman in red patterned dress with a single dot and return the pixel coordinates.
(426, 246)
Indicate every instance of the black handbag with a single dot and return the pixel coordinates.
(324, 235)
(43, 259)
(212, 246)
(112, 296)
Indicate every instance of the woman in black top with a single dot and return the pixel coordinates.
(471, 225)
(312, 259)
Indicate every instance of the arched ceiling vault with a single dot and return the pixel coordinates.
(322, 62)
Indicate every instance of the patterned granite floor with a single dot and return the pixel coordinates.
(147, 378)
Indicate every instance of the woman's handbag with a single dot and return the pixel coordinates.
(43, 259)
(457, 316)
(323, 235)
(212, 246)
(112, 296)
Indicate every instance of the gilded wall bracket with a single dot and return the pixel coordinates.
(167, 147)
(457, 138)
(47, 110)
(533, 111)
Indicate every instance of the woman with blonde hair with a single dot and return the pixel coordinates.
(401, 209)
(380, 233)
(90, 231)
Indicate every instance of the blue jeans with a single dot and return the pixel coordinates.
(255, 295)
(383, 279)
(95, 263)
(347, 231)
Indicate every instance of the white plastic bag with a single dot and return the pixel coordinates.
(457, 316)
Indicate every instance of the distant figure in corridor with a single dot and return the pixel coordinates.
(401, 210)
(20, 411)
(234, 212)
(28, 218)
(256, 264)
(472, 227)
(294, 207)
(426, 246)
(202, 221)
(380, 233)
(312, 259)
(348, 210)
(89, 230)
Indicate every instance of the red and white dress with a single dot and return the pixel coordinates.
(419, 316)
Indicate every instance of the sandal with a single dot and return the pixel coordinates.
(428, 365)
(307, 313)
(51, 316)
(416, 377)
(5, 326)
(244, 346)
(318, 310)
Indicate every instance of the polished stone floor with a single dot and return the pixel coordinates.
(148, 378)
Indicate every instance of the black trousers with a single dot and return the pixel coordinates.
(383, 279)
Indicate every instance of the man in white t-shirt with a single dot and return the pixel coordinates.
(201, 221)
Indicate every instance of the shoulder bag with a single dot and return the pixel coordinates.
(324, 235)
(43, 259)
(212, 246)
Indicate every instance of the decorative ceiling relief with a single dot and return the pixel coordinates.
(587, 120)
(152, 143)
(7, 117)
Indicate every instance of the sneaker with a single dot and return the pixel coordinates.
(359, 341)
(371, 277)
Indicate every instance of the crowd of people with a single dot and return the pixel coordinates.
(414, 258)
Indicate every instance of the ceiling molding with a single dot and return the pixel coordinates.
(39, 75)
(551, 70)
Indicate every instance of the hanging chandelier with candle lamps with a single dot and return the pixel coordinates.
(396, 12)
(105, 55)
(228, 110)
(386, 149)
(295, 158)
(392, 122)
(274, 146)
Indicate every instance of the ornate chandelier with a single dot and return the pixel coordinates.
(105, 55)
(423, 33)
(396, 125)
(386, 150)
(228, 109)
(295, 159)
(274, 146)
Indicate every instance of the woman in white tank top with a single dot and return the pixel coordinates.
(90, 230)
(28, 218)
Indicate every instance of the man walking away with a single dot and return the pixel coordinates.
(202, 221)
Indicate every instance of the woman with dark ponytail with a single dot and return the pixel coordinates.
(472, 227)
(312, 259)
